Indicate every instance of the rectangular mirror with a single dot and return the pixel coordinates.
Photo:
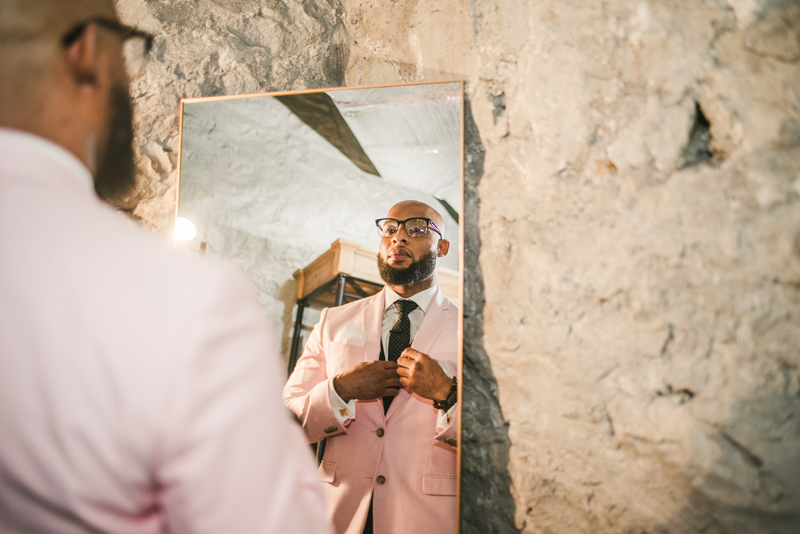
(288, 186)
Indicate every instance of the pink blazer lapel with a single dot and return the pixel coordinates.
(432, 325)
(371, 319)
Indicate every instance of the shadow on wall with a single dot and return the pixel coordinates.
(743, 489)
(487, 506)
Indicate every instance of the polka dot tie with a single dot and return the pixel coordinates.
(400, 336)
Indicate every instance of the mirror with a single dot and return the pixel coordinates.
(288, 187)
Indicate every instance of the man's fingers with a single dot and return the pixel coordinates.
(407, 362)
(391, 373)
(389, 365)
(412, 354)
(391, 392)
(392, 382)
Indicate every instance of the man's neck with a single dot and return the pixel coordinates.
(52, 121)
(410, 291)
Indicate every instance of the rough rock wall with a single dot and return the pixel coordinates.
(646, 346)
(219, 47)
(639, 249)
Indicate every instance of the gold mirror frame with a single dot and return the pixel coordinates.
(461, 225)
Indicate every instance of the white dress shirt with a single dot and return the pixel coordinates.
(347, 410)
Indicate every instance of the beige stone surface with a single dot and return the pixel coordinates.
(392, 42)
(219, 47)
(642, 320)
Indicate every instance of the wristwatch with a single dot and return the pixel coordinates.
(451, 399)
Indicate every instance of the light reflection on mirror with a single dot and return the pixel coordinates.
(270, 186)
(185, 230)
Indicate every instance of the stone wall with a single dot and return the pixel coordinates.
(219, 47)
(633, 181)
(641, 175)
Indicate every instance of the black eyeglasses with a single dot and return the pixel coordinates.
(136, 43)
(415, 227)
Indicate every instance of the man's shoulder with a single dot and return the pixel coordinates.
(354, 308)
(442, 304)
(155, 274)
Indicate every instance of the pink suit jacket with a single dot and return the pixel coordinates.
(140, 391)
(416, 460)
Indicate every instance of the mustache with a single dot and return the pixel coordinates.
(404, 249)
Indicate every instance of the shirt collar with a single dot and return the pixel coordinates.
(51, 151)
(422, 299)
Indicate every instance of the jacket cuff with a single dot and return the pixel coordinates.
(321, 421)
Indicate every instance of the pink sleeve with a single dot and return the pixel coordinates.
(232, 459)
(307, 391)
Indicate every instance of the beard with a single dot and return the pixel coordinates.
(116, 169)
(419, 270)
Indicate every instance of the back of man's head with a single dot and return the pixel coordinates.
(73, 92)
(30, 45)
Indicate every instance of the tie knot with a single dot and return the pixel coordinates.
(405, 306)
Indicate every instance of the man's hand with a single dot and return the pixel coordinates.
(423, 375)
(367, 381)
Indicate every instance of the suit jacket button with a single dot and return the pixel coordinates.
(381, 479)
(379, 432)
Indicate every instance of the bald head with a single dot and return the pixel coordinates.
(72, 93)
(414, 208)
(407, 261)
(26, 20)
(30, 50)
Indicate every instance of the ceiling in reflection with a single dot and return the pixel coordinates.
(411, 134)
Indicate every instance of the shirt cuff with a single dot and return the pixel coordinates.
(445, 417)
(344, 411)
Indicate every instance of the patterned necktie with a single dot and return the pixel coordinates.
(399, 337)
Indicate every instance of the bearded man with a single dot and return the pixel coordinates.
(377, 378)
(139, 391)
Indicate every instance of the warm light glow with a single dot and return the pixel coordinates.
(184, 229)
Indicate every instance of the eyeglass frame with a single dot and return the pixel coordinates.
(125, 31)
(428, 222)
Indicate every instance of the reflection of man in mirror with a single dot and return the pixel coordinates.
(139, 390)
(377, 378)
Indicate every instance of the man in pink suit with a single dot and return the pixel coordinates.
(387, 409)
(139, 387)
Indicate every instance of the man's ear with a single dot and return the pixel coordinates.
(83, 60)
(444, 247)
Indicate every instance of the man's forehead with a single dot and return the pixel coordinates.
(406, 210)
